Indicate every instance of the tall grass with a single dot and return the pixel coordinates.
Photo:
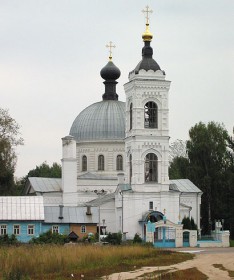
(34, 262)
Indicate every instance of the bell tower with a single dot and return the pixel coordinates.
(147, 127)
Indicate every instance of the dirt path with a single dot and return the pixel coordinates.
(203, 261)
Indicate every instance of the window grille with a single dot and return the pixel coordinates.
(151, 205)
(55, 229)
(83, 229)
(130, 168)
(16, 229)
(31, 229)
(151, 115)
(84, 163)
(3, 229)
(130, 116)
(101, 162)
(151, 168)
(119, 162)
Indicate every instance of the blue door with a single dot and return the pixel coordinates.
(164, 237)
(186, 239)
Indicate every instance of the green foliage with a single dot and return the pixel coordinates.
(189, 223)
(9, 139)
(113, 238)
(179, 168)
(211, 169)
(193, 225)
(209, 164)
(137, 238)
(44, 170)
(8, 240)
(49, 237)
(91, 238)
(15, 274)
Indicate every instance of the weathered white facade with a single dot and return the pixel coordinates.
(116, 156)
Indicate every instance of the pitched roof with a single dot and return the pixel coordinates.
(183, 185)
(101, 199)
(21, 208)
(73, 215)
(40, 184)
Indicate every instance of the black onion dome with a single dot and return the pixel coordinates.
(110, 72)
(147, 62)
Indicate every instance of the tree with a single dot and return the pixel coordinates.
(44, 170)
(211, 169)
(177, 149)
(178, 159)
(189, 223)
(9, 140)
(179, 168)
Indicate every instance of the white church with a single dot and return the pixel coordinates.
(116, 156)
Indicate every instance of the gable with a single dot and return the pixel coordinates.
(43, 185)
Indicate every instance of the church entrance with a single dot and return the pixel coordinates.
(166, 234)
(164, 237)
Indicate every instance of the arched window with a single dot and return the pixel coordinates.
(130, 116)
(101, 162)
(84, 163)
(130, 168)
(119, 162)
(151, 115)
(151, 168)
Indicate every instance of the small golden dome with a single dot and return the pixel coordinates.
(147, 35)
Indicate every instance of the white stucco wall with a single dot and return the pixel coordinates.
(142, 88)
(135, 205)
(193, 200)
(109, 149)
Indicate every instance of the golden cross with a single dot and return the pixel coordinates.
(110, 46)
(147, 11)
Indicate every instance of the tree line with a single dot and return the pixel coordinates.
(209, 164)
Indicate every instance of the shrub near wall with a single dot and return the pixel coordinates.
(8, 240)
(49, 237)
(113, 238)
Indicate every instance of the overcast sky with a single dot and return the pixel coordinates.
(52, 51)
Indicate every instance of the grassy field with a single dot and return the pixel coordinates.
(84, 262)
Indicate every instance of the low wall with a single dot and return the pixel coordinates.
(222, 240)
(209, 243)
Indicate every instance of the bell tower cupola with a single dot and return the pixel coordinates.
(147, 127)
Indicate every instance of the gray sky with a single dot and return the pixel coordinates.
(51, 53)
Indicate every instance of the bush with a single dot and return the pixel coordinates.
(8, 239)
(49, 237)
(137, 238)
(91, 238)
(189, 223)
(113, 238)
